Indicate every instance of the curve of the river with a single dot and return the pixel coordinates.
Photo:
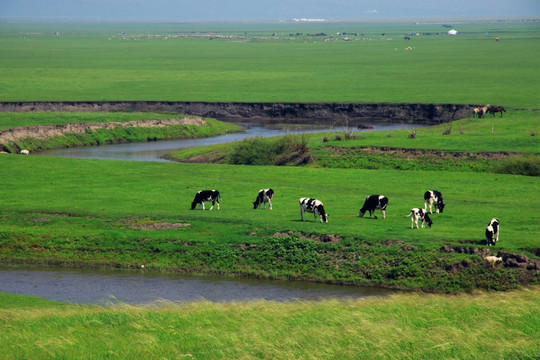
(106, 287)
(154, 151)
(140, 287)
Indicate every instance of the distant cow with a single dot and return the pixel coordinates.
(206, 195)
(492, 232)
(25, 152)
(433, 197)
(495, 109)
(264, 196)
(313, 206)
(419, 214)
(372, 203)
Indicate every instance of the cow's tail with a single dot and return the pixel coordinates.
(410, 214)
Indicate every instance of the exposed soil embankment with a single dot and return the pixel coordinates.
(268, 112)
(49, 131)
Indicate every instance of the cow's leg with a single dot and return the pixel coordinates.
(315, 214)
(302, 213)
(270, 204)
(383, 214)
(217, 201)
(412, 221)
(213, 203)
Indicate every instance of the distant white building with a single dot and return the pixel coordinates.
(452, 32)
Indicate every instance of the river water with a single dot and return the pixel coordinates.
(155, 150)
(106, 287)
(141, 287)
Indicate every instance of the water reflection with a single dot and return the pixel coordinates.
(104, 287)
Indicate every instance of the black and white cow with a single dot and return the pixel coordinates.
(206, 195)
(419, 214)
(372, 203)
(313, 206)
(433, 197)
(264, 196)
(492, 232)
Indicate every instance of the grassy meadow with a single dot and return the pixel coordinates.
(121, 214)
(402, 326)
(130, 61)
(99, 213)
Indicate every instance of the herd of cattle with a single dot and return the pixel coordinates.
(480, 110)
(432, 198)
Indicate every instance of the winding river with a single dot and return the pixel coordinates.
(155, 151)
(141, 287)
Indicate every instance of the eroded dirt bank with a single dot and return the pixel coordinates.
(48, 131)
(267, 112)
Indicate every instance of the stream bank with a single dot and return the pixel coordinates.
(353, 113)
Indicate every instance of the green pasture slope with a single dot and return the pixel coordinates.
(101, 213)
(404, 326)
(117, 61)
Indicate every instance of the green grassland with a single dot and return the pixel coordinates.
(93, 213)
(403, 326)
(81, 63)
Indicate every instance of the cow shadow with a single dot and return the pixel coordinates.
(473, 242)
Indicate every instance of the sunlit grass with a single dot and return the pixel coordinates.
(400, 326)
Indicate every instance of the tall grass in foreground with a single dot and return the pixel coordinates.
(403, 326)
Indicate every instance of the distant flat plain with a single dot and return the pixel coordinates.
(264, 62)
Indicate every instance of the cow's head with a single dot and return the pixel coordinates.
(441, 207)
(324, 217)
(428, 220)
(362, 212)
(256, 204)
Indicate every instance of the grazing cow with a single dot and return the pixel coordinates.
(313, 206)
(264, 196)
(496, 109)
(419, 214)
(492, 232)
(206, 195)
(25, 152)
(372, 203)
(436, 197)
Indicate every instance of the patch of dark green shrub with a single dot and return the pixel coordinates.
(285, 150)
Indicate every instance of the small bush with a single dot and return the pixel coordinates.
(412, 134)
(270, 151)
(448, 130)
